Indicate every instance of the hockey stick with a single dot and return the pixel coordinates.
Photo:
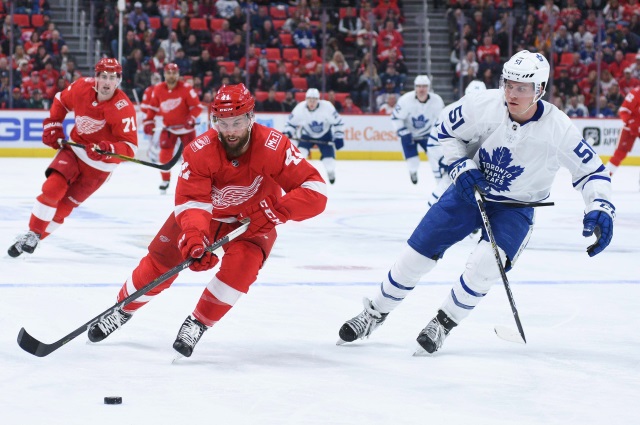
(503, 332)
(40, 349)
(165, 167)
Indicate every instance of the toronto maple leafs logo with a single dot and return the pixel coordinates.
(234, 195)
(88, 125)
(170, 104)
(419, 122)
(497, 168)
(316, 127)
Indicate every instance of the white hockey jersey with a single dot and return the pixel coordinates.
(520, 161)
(323, 123)
(411, 115)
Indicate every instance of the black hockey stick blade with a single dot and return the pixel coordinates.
(164, 167)
(40, 349)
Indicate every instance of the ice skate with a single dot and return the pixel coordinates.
(25, 243)
(108, 324)
(163, 187)
(433, 335)
(188, 336)
(414, 178)
(362, 325)
(332, 177)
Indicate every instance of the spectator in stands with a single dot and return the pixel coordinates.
(577, 70)
(19, 102)
(266, 36)
(303, 37)
(588, 53)
(131, 67)
(258, 19)
(226, 8)
(350, 108)
(41, 57)
(259, 80)
(308, 61)
(251, 61)
(171, 46)
(207, 9)
(163, 32)
(388, 107)
(618, 65)
(237, 21)
(183, 31)
(315, 78)
(488, 48)
(158, 61)
(580, 36)
(281, 80)
(183, 62)
(380, 11)
(606, 80)
(237, 48)
(613, 11)
(31, 46)
(142, 80)
(192, 48)
(238, 76)
(5, 89)
(340, 81)
(270, 104)
(289, 102)
(19, 54)
(614, 98)
(138, 15)
(49, 74)
(130, 43)
(331, 97)
(562, 41)
(563, 84)
(348, 27)
(366, 39)
(205, 66)
(635, 67)
(575, 109)
(368, 84)
(587, 85)
(628, 82)
(467, 70)
(54, 44)
(151, 8)
(338, 63)
(604, 111)
(218, 50)
(629, 40)
(32, 84)
(225, 33)
(388, 89)
(37, 101)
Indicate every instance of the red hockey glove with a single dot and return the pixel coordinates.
(149, 127)
(191, 123)
(51, 132)
(103, 146)
(192, 244)
(264, 216)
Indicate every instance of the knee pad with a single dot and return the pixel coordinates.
(240, 265)
(54, 188)
(482, 270)
(410, 267)
(64, 209)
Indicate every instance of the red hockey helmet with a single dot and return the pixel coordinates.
(232, 101)
(171, 67)
(108, 65)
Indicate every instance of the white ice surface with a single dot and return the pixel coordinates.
(273, 358)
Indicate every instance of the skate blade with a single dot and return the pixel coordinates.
(421, 352)
(340, 342)
(508, 334)
(177, 358)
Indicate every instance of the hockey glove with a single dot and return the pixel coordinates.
(149, 127)
(465, 175)
(51, 132)
(192, 244)
(338, 143)
(103, 146)
(264, 216)
(599, 220)
(191, 123)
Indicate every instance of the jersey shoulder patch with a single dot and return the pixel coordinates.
(272, 141)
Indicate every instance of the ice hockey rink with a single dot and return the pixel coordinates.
(273, 358)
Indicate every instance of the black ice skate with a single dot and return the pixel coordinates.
(433, 335)
(108, 324)
(188, 336)
(414, 178)
(362, 325)
(332, 176)
(25, 243)
(163, 187)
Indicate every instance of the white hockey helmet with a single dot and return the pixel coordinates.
(475, 85)
(313, 94)
(527, 67)
(422, 80)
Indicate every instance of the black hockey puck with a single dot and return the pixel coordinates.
(113, 400)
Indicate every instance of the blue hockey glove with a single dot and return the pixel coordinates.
(465, 175)
(599, 220)
(339, 143)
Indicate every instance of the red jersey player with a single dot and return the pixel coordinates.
(153, 145)
(104, 119)
(179, 106)
(629, 113)
(237, 170)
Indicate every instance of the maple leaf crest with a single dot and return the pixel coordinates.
(497, 168)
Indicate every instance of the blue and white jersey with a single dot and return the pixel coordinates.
(323, 123)
(415, 117)
(520, 161)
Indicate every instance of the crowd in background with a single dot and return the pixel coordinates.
(593, 46)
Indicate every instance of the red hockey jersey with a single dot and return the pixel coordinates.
(113, 120)
(211, 186)
(629, 111)
(174, 105)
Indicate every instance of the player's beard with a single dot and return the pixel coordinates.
(237, 149)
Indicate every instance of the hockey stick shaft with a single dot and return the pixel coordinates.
(164, 167)
(496, 253)
(40, 349)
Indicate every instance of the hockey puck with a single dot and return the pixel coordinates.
(113, 400)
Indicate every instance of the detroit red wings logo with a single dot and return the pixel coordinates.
(170, 104)
(234, 195)
(88, 125)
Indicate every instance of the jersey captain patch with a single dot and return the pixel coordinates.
(273, 140)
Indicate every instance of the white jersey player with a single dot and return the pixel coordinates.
(507, 144)
(414, 115)
(434, 149)
(316, 122)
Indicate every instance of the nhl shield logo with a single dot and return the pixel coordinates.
(591, 135)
